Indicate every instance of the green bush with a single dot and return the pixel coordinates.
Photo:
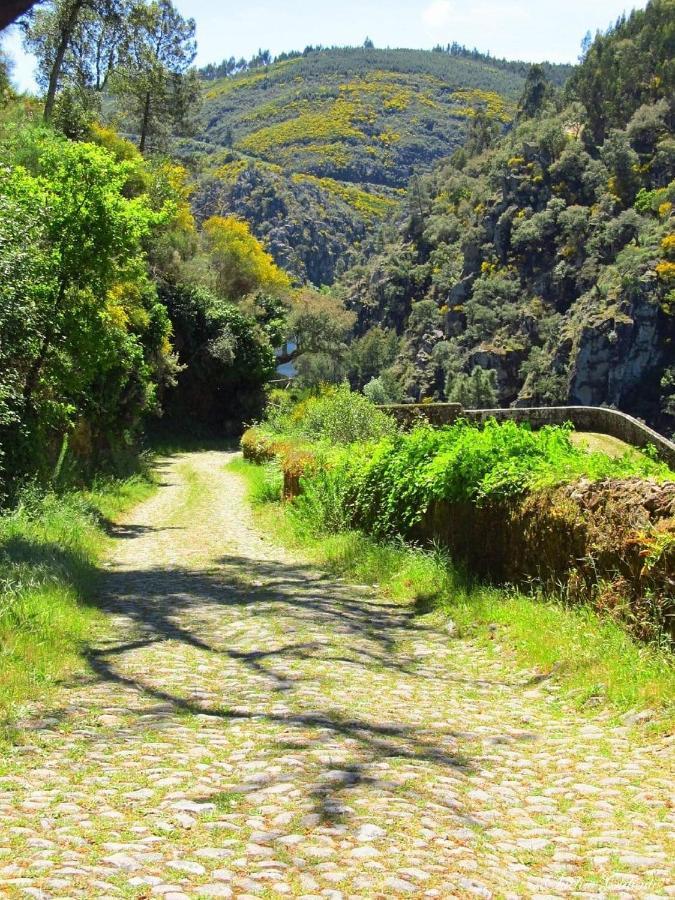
(387, 488)
(336, 416)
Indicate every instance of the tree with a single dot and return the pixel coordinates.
(535, 93)
(78, 43)
(368, 44)
(586, 43)
(239, 262)
(623, 164)
(153, 83)
(226, 359)
(49, 36)
(370, 354)
(83, 338)
(384, 389)
(482, 133)
(319, 322)
(5, 86)
(98, 43)
(631, 64)
(319, 326)
(475, 391)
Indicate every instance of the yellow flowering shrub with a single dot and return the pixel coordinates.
(241, 263)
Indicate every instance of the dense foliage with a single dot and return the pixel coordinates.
(512, 504)
(632, 62)
(135, 52)
(335, 416)
(388, 488)
(548, 258)
(83, 339)
(228, 360)
(232, 66)
(115, 307)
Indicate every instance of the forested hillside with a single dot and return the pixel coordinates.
(541, 270)
(333, 666)
(316, 149)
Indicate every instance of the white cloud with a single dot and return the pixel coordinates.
(437, 14)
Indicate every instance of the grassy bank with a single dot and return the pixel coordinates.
(50, 547)
(592, 658)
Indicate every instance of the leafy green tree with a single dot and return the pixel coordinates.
(83, 336)
(536, 92)
(22, 258)
(623, 164)
(78, 44)
(98, 43)
(49, 36)
(544, 385)
(482, 133)
(475, 391)
(632, 59)
(384, 389)
(5, 86)
(153, 85)
(226, 359)
(319, 326)
(370, 354)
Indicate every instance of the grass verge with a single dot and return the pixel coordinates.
(50, 547)
(593, 659)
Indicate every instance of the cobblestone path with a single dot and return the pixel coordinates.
(251, 728)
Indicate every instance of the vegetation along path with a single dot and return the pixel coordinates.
(252, 728)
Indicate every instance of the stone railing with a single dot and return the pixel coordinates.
(584, 418)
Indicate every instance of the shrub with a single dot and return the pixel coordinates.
(390, 486)
(343, 417)
(336, 416)
(257, 446)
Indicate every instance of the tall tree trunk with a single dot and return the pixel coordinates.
(145, 123)
(67, 28)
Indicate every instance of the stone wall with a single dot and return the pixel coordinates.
(609, 543)
(584, 418)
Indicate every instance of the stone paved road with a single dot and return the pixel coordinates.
(250, 728)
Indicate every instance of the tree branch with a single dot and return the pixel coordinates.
(10, 10)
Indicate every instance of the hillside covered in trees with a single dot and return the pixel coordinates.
(316, 149)
(541, 269)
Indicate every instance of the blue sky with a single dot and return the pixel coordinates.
(523, 29)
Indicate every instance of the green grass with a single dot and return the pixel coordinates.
(592, 659)
(593, 442)
(50, 547)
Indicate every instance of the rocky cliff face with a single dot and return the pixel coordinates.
(310, 238)
(618, 360)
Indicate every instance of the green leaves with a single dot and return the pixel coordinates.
(389, 487)
(83, 338)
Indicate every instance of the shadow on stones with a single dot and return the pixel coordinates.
(133, 531)
(338, 628)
